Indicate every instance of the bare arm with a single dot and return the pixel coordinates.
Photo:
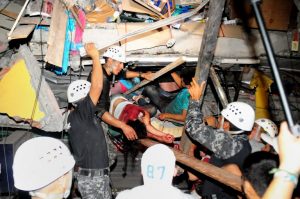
(289, 161)
(97, 75)
(132, 74)
(149, 127)
(178, 117)
(177, 79)
(127, 130)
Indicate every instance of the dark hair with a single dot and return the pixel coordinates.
(132, 148)
(139, 128)
(256, 169)
(187, 75)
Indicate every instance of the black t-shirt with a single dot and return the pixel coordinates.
(87, 138)
(104, 100)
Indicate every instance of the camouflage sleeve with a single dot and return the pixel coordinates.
(219, 142)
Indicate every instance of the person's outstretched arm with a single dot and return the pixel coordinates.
(155, 133)
(97, 75)
(131, 74)
(283, 183)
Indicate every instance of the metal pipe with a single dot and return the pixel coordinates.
(220, 91)
(270, 52)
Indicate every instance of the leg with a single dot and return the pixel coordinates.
(96, 187)
(154, 95)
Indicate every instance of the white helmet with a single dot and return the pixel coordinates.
(273, 141)
(158, 165)
(240, 114)
(269, 126)
(40, 161)
(78, 90)
(116, 53)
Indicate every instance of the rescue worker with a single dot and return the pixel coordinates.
(158, 170)
(269, 135)
(43, 166)
(262, 127)
(114, 63)
(87, 138)
(227, 147)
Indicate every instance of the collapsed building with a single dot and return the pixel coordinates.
(42, 54)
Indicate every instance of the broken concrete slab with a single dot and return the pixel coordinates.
(50, 118)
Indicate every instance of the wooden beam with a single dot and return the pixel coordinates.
(207, 50)
(57, 34)
(159, 73)
(10, 14)
(35, 21)
(150, 8)
(17, 20)
(21, 32)
(207, 169)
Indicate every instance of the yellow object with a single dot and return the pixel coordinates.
(17, 96)
(262, 84)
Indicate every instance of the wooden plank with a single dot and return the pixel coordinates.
(57, 34)
(147, 40)
(131, 6)
(17, 20)
(207, 169)
(6, 22)
(206, 53)
(188, 2)
(151, 8)
(22, 32)
(34, 20)
(11, 10)
(159, 73)
(276, 14)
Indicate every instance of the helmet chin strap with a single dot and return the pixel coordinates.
(256, 135)
(222, 123)
(113, 75)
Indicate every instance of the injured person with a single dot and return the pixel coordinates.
(137, 117)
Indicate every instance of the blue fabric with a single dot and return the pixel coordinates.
(69, 29)
(127, 83)
(180, 103)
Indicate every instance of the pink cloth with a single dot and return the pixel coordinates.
(78, 30)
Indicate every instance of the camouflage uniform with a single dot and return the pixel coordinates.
(222, 144)
(111, 148)
(226, 148)
(94, 187)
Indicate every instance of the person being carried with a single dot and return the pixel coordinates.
(158, 169)
(138, 117)
(43, 166)
(86, 135)
(227, 147)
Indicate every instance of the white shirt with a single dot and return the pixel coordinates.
(150, 192)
